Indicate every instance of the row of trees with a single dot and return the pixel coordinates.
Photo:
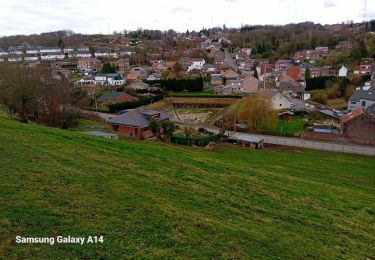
(36, 94)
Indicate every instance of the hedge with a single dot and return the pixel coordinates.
(179, 85)
(115, 108)
(198, 141)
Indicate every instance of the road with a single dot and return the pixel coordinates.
(296, 142)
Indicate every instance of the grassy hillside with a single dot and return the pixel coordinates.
(153, 200)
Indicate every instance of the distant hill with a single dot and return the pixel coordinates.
(154, 200)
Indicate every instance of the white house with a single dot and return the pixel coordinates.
(18, 50)
(343, 72)
(105, 53)
(15, 58)
(3, 53)
(83, 49)
(31, 57)
(80, 54)
(111, 79)
(32, 50)
(68, 50)
(279, 101)
(197, 64)
(49, 50)
(52, 56)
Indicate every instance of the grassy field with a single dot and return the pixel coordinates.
(293, 126)
(153, 200)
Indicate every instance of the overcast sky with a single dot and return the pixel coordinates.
(94, 16)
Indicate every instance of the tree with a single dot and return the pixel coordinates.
(61, 103)
(256, 111)
(108, 68)
(154, 126)
(20, 90)
(308, 73)
(61, 43)
(188, 131)
(168, 128)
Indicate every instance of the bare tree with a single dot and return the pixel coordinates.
(257, 111)
(20, 90)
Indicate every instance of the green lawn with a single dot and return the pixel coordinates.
(153, 200)
(293, 126)
(90, 125)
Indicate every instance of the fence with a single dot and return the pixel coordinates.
(198, 141)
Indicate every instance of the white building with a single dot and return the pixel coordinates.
(52, 56)
(343, 72)
(105, 53)
(15, 58)
(49, 50)
(31, 57)
(197, 64)
(3, 53)
(68, 50)
(32, 50)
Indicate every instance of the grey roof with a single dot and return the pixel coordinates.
(363, 94)
(245, 137)
(371, 109)
(131, 118)
(109, 96)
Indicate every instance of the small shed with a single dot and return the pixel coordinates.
(287, 115)
(247, 140)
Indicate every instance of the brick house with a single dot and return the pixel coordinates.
(89, 64)
(366, 66)
(359, 127)
(136, 122)
(344, 45)
(328, 71)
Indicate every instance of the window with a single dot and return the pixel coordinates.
(353, 102)
(363, 103)
(281, 104)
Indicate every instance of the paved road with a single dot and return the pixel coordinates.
(296, 142)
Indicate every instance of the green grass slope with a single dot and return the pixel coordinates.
(153, 200)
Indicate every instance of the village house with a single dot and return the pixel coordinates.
(216, 79)
(105, 54)
(229, 76)
(139, 85)
(68, 50)
(3, 52)
(359, 127)
(31, 50)
(154, 77)
(361, 99)
(328, 71)
(343, 71)
(48, 56)
(15, 58)
(89, 64)
(197, 64)
(15, 50)
(114, 97)
(31, 57)
(111, 79)
(80, 54)
(250, 85)
(123, 65)
(344, 45)
(366, 66)
(49, 50)
(136, 122)
(279, 101)
(282, 65)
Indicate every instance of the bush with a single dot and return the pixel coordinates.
(320, 98)
(115, 108)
